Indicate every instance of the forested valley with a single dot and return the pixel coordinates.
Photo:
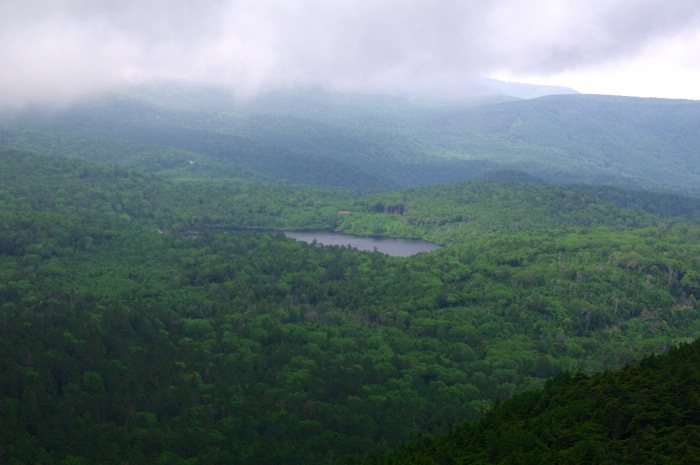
(152, 310)
(162, 321)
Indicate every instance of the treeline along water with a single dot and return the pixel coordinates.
(397, 247)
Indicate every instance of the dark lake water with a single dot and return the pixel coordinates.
(388, 245)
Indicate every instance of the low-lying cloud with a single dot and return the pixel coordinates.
(55, 50)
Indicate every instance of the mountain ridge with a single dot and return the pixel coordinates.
(384, 142)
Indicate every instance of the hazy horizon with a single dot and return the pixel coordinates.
(63, 49)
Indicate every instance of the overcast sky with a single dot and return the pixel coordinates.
(53, 50)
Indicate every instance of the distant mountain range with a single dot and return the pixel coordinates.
(449, 88)
(377, 141)
(522, 90)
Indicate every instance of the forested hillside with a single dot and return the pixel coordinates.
(622, 141)
(373, 141)
(153, 320)
(645, 413)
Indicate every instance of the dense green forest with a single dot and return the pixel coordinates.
(153, 320)
(645, 413)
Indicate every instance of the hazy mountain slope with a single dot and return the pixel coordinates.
(306, 146)
(616, 140)
(116, 118)
(396, 142)
(163, 160)
(524, 91)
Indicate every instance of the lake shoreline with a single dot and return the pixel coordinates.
(394, 246)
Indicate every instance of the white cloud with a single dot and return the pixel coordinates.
(58, 49)
(668, 68)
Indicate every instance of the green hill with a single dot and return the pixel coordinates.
(644, 413)
(623, 141)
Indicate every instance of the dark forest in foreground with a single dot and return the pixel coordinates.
(644, 413)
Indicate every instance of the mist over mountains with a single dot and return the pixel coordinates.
(382, 141)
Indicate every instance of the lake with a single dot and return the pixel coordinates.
(397, 247)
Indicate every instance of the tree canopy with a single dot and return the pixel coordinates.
(153, 320)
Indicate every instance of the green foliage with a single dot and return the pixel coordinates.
(161, 321)
(644, 413)
(459, 213)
